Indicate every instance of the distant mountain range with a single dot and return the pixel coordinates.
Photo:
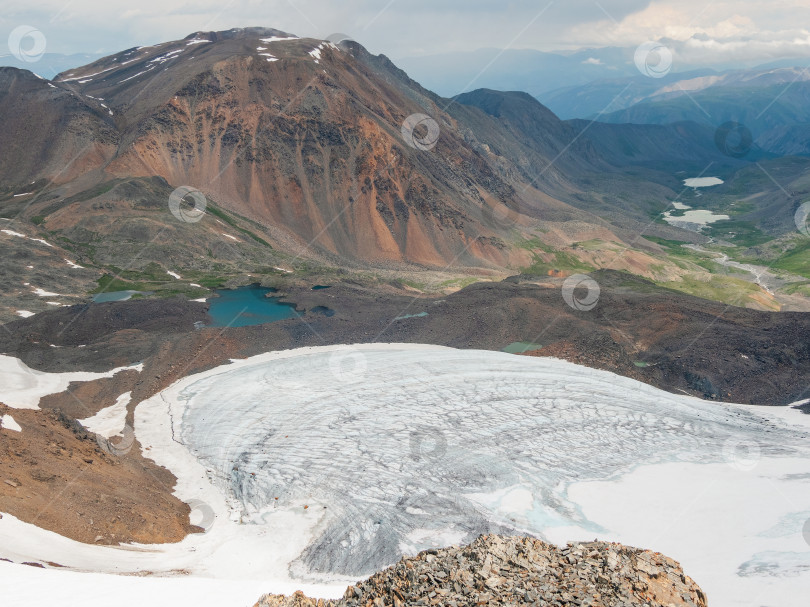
(605, 84)
(535, 72)
(774, 104)
(50, 64)
(309, 153)
(546, 74)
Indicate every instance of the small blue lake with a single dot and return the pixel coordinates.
(246, 306)
(117, 296)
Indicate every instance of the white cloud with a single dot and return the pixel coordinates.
(719, 32)
(701, 30)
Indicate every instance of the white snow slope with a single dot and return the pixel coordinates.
(313, 467)
(21, 387)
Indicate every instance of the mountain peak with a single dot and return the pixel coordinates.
(239, 33)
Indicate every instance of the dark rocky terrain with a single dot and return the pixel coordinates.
(673, 341)
(497, 570)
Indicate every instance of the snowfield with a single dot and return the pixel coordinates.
(21, 387)
(310, 468)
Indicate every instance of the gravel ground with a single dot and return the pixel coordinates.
(497, 570)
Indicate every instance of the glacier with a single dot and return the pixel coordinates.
(317, 466)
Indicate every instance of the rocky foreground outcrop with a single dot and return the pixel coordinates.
(497, 570)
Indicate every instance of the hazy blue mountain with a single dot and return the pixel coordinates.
(609, 95)
(534, 72)
(50, 64)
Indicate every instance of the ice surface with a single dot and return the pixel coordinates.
(420, 439)
(395, 448)
(398, 440)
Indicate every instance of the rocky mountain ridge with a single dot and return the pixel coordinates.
(498, 570)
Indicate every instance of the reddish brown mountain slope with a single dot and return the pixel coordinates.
(308, 141)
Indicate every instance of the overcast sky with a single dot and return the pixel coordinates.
(709, 31)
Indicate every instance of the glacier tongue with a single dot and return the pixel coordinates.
(398, 447)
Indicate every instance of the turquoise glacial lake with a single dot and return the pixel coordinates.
(246, 306)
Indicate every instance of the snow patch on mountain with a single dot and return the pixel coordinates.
(8, 423)
(21, 387)
(278, 39)
(110, 420)
(18, 235)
